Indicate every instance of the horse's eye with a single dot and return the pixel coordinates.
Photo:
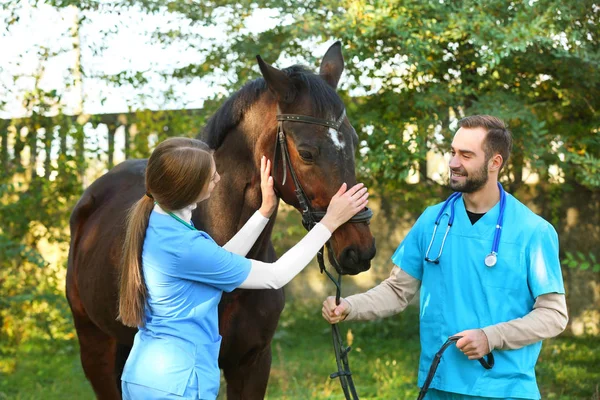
(306, 155)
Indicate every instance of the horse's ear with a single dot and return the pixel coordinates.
(332, 65)
(277, 82)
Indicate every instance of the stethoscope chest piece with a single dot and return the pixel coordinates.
(490, 260)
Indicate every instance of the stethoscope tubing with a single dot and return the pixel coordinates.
(451, 200)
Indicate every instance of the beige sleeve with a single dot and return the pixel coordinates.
(547, 319)
(389, 297)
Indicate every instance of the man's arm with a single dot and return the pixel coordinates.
(392, 295)
(549, 315)
(547, 319)
(389, 297)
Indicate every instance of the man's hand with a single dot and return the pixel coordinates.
(334, 314)
(474, 343)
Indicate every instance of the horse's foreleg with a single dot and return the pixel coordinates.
(98, 352)
(122, 353)
(248, 380)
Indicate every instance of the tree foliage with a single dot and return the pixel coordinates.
(423, 64)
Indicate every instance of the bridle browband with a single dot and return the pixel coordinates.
(310, 217)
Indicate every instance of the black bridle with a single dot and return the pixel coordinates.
(310, 217)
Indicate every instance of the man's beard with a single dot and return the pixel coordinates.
(473, 182)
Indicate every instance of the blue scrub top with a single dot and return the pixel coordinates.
(462, 293)
(186, 273)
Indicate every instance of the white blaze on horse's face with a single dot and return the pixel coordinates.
(337, 139)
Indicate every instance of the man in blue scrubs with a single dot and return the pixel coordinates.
(506, 308)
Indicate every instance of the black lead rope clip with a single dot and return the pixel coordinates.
(487, 364)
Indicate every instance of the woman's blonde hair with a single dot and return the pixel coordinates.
(178, 170)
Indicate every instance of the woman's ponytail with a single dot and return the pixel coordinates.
(133, 291)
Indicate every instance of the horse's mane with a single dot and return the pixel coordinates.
(324, 100)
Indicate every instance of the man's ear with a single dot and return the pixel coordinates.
(495, 162)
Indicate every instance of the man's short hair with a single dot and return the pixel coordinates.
(498, 138)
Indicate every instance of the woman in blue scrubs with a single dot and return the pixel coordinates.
(173, 275)
(488, 270)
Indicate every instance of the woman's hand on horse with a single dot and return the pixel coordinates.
(344, 205)
(335, 313)
(269, 199)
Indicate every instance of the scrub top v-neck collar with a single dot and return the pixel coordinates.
(484, 228)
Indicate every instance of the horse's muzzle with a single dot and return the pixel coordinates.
(353, 261)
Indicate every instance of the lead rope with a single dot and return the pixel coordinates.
(341, 351)
(487, 364)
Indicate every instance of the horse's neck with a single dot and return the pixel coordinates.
(238, 195)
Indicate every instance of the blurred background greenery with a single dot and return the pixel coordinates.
(412, 69)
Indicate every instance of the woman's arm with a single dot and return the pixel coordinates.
(276, 275)
(343, 205)
(243, 241)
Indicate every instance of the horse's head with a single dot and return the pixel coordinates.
(315, 146)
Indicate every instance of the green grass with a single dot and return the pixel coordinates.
(44, 369)
(383, 359)
(384, 362)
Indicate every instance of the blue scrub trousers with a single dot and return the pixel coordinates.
(132, 391)
(433, 394)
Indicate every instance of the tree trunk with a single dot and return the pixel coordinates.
(4, 146)
(127, 134)
(112, 129)
(517, 167)
(80, 154)
(62, 149)
(19, 146)
(48, 137)
(33, 149)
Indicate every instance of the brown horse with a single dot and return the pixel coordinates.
(242, 130)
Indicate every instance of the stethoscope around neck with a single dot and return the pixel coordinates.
(491, 259)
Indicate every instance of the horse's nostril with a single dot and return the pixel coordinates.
(353, 256)
(350, 256)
